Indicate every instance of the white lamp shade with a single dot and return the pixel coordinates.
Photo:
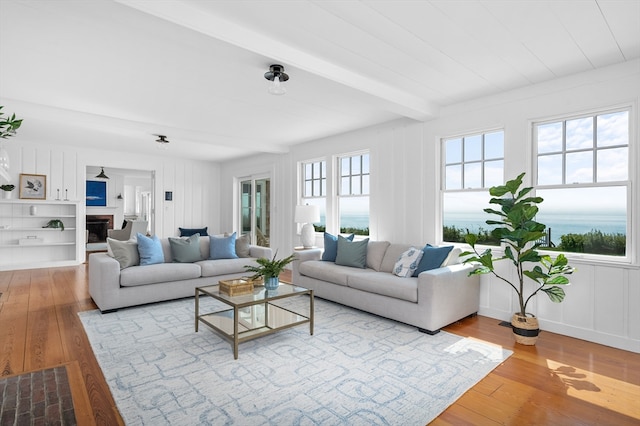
(307, 214)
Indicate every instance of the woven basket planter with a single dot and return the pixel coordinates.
(525, 329)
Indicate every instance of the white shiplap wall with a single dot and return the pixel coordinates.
(601, 305)
(195, 184)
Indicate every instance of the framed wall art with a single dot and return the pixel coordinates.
(33, 187)
(96, 193)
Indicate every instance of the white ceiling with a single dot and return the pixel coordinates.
(113, 73)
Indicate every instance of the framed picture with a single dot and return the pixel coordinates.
(33, 187)
(96, 193)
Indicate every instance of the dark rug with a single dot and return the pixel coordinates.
(37, 398)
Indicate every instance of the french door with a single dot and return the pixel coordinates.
(255, 212)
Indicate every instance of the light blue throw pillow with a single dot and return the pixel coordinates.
(352, 253)
(150, 249)
(331, 247)
(185, 250)
(222, 247)
(433, 258)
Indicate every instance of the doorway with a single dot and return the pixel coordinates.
(255, 210)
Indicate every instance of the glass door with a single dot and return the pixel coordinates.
(255, 212)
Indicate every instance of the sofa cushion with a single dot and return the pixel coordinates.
(453, 258)
(187, 232)
(434, 257)
(331, 247)
(352, 253)
(375, 254)
(149, 249)
(243, 244)
(391, 256)
(385, 284)
(223, 247)
(185, 250)
(211, 268)
(125, 252)
(158, 273)
(326, 271)
(408, 263)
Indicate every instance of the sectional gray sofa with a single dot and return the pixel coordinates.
(112, 288)
(430, 301)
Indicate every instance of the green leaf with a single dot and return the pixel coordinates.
(558, 280)
(471, 239)
(556, 294)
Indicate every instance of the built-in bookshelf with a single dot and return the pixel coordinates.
(25, 242)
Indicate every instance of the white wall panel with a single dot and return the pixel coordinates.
(610, 291)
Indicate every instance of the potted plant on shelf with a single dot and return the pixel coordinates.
(269, 269)
(520, 234)
(55, 223)
(7, 188)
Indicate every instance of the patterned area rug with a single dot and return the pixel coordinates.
(356, 369)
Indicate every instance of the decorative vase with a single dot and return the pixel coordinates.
(271, 283)
(525, 329)
(6, 195)
(33, 210)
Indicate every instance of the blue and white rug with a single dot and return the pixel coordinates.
(357, 369)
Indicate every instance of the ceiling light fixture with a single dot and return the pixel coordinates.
(163, 143)
(102, 175)
(276, 76)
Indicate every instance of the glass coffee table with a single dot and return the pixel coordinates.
(249, 316)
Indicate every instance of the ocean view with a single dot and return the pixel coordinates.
(560, 223)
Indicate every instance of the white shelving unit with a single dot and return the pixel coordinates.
(24, 243)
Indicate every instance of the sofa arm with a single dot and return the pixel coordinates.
(448, 294)
(104, 280)
(303, 256)
(259, 251)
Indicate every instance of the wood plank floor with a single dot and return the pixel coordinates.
(560, 381)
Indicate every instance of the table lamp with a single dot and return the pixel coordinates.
(307, 215)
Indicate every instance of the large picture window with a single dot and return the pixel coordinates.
(472, 164)
(582, 173)
(353, 194)
(314, 189)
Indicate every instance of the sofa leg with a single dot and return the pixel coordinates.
(108, 311)
(429, 332)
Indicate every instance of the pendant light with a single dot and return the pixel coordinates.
(102, 175)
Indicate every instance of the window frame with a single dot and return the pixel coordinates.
(482, 161)
(631, 201)
(338, 186)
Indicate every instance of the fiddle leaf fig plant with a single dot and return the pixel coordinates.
(8, 125)
(521, 235)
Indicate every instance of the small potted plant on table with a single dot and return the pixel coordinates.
(6, 190)
(270, 270)
(520, 234)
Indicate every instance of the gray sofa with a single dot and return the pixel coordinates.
(112, 288)
(430, 301)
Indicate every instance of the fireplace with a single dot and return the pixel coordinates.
(97, 226)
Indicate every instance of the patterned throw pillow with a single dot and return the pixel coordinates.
(408, 262)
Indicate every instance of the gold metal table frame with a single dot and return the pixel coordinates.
(252, 315)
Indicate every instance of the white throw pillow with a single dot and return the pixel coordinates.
(408, 262)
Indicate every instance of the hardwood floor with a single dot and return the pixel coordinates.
(560, 381)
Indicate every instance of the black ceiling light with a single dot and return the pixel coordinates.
(276, 76)
(102, 175)
(163, 143)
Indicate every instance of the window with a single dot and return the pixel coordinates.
(472, 164)
(314, 189)
(353, 194)
(583, 176)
